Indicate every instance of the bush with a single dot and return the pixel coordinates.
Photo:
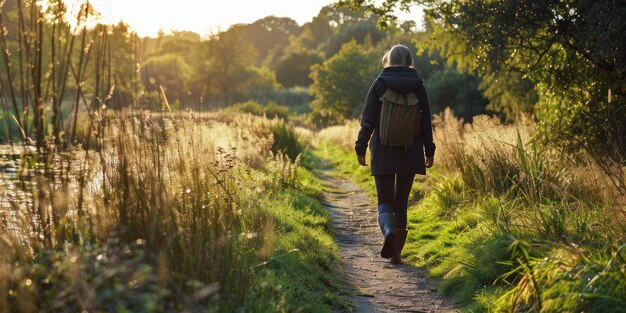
(271, 110)
(341, 83)
(286, 140)
(459, 91)
(250, 106)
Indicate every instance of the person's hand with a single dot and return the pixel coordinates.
(361, 159)
(429, 162)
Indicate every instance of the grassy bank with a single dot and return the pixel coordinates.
(171, 214)
(506, 225)
(301, 275)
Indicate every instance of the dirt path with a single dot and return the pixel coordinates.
(378, 286)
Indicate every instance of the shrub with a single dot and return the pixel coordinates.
(341, 83)
(271, 110)
(286, 140)
(250, 106)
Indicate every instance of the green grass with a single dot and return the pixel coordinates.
(186, 226)
(271, 110)
(298, 275)
(444, 234)
(286, 141)
(301, 275)
(509, 244)
(345, 164)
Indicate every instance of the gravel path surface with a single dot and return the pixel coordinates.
(377, 285)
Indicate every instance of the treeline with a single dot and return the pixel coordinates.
(57, 66)
(337, 55)
(564, 62)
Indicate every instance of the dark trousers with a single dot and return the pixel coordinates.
(393, 195)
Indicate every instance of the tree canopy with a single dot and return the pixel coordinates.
(334, 57)
(341, 83)
(572, 54)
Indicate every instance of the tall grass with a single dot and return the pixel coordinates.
(342, 135)
(126, 209)
(168, 214)
(511, 225)
(557, 221)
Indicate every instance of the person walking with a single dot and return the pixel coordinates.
(395, 167)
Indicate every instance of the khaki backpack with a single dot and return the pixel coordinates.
(399, 119)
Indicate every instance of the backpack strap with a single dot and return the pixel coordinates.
(395, 97)
(409, 99)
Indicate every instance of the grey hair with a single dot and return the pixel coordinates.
(398, 55)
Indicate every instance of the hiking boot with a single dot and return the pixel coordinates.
(400, 240)
(387, 222)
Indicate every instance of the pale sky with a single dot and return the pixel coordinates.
(148, 16)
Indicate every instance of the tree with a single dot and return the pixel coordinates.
(329, 22)
(364, 32)
(573, 52)
(341, 83)
(509, 94)
(169, 71)
(123, 53)
(294, 67)
(459, 91)
(259, 79)
(227, 56)
(270, 32)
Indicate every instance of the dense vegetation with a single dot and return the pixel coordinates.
(563, 61)
(166, 174)
(271, 60)
(171, 214)
(529, 216)
(126, 203)
(507, 226)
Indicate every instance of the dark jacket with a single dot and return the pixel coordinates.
(390, 160)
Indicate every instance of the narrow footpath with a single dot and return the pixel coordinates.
(377, 285)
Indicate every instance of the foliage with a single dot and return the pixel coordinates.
(509, 94)
(191, 215)
(294, 67)
(341, 83)
(269, 32)
(458, 91)
(286, 140)
(122, 67)
(325, 26)
(251, 107)
(259, 78)
(229, 54)
(365, 33)
(507, 225)
(271, 110)
(572, 51)
(169, 71)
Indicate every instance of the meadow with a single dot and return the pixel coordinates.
(506, 225)
(116, 199)
(220, 212)
(172, 214)
(179, 173)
